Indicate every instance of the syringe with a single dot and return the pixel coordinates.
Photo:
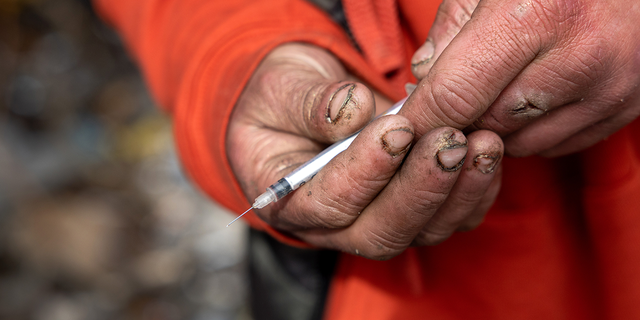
(308, 170)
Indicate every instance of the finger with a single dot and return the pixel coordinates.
(469, 198)
(565, 102)
(347, 184)
(451, 17)
(553, 80)
(333, 111)
(477, 216)
(573, 127)
(390, 223)
(592, 134)
(487, 54)
(303, 91)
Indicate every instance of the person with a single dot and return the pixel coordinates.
(258, 87)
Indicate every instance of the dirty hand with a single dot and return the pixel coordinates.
(550, 76)
(298, 101)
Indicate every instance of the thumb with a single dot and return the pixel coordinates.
(304, 90)
(451, 17)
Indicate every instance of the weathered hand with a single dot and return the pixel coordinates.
(550, 76)
(365, 201)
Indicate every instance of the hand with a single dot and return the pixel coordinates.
(365, 201)
(550, 76)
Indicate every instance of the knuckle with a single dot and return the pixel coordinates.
(383, 245)
(559, 11)
(330, 218)
(425, 202)
(305, 214)
(512, 112)
(468, 200)
(594, 67)
(510, 121)
(455, 99)
(334, 221)
(358, 186)
(543, 21)
(559, 16)
(309, 219)
(550, 12)
(426, 195)
(585, 63)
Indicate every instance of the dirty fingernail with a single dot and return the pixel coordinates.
(424, 54)
(396, 142)
(452, 152)
(452, 159)
(339, 100)
(486, 163)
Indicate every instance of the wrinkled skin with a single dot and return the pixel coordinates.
(363, 202)
(550, 76)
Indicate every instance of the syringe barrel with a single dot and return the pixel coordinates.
(305, 172)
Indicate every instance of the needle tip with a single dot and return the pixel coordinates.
(238, 217)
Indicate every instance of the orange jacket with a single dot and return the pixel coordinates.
(561, 242)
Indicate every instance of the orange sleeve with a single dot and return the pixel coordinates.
(197, 55)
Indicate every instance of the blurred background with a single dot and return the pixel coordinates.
(97, 220)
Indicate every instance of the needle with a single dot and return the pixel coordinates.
(240, 216)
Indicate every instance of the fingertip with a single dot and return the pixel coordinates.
(344, 108)
(339, 101)
(452, 150)
(397, 141)
(394, 133)
(445, 148)
(487, 150)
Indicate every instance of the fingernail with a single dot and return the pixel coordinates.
(424, 54)
(396, 142)
(452, 152)
(486, 163)
(338, 101)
